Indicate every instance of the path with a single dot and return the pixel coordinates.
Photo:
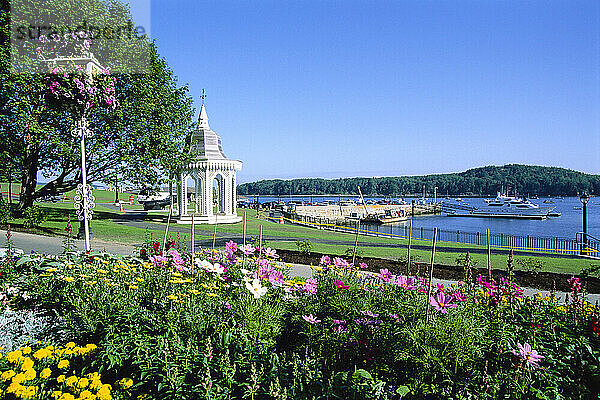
(53, 245)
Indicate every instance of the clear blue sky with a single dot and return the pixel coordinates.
(387, 88)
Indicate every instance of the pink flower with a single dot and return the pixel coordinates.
(442, 302)
(385, 274)
(269, 252)
(247, 249)
(159, 261)
(341, 285)
(362, 265)
(528, 354)
(231, 247)
(325, 260)
(340, 262)
(574, 284)
(310, 286)
(311, 319)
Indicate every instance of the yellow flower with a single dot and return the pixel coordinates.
(6, 375)
(194, 291)
(26, 350)
(60, 379)
(56, 394)
(14, 356)
(30, 374)
(42, 353)
(83, 383)
(172, 297)
(68, 279)
(71, 381)
(52, 270)
(63, 364)
(66, 396)
(133, 287)
(104, 392)
(70, 345)
(86, 395)
(19, 378)
(126, 383)
(139, 279)
(46, 372)
(27, 364)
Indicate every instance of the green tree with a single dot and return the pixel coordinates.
(144, 138)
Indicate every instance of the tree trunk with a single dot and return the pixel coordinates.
(29, 178)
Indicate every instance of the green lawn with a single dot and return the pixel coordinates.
(104, 228)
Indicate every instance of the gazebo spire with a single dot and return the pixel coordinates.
(203, 119)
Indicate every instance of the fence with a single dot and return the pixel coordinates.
(556, 245)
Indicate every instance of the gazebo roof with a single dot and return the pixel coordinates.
(206, 144)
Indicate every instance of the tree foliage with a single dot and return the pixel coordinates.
(142, 139)
(485, 181)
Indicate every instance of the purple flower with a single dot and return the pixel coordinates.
(231, 247)
(442, 302)
(311, 319)
(325, 260)
(159, 261)
(247, 249)
(362, 265)
(340, 262)
(341, 285)
(310, 286)
(370, 314)
(385, 274)
(340, 326)
(528, 354)
(269, 252)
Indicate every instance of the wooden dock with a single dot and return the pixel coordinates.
(342, 214)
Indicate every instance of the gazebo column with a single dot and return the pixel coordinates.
(233, 194)
(184, 200)
(228, 194)
(208, 194)
(197, 194)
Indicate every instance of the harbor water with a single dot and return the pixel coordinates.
(566, 226)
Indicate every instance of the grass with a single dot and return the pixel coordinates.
(105, 228)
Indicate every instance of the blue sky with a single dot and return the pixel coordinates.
(386, 88)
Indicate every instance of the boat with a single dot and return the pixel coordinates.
(548, 201)
(388, 217)
(506, 207)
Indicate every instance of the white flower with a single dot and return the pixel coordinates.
(216, 268)
(256, 289)
(245, 271)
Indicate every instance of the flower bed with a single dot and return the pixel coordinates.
(234, 324)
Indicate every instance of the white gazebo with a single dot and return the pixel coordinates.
(215, 197)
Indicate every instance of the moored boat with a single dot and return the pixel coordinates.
(506, 207)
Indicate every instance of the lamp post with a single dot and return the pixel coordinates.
(84, 199)
(584, 200)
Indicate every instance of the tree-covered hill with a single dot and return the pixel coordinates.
(525, 179)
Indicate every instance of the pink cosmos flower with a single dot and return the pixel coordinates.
(528, 354)
(442, 302)
(362, 265)
(311, 319)
(325, 260)
(159, 261)
(247, 249)
(310, 286)
(269, 252)
(385, 274)
(231, 247)
(340, 262)
(341, 285)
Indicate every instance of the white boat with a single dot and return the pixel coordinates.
(507, 207)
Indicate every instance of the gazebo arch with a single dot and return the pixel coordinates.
(209, 163)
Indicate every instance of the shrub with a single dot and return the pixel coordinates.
(5, 211)
(530, 264)
(304, 246)
(34, 216)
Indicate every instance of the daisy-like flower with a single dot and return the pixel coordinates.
(528, 354)
(247, 249)
(311, 319)
(341, 285)
(325, 260)
(442, 302)
(256, 288)
(269, 252)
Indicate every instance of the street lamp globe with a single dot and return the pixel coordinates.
(584, 198)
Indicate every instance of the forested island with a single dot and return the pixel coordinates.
(526, 180)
